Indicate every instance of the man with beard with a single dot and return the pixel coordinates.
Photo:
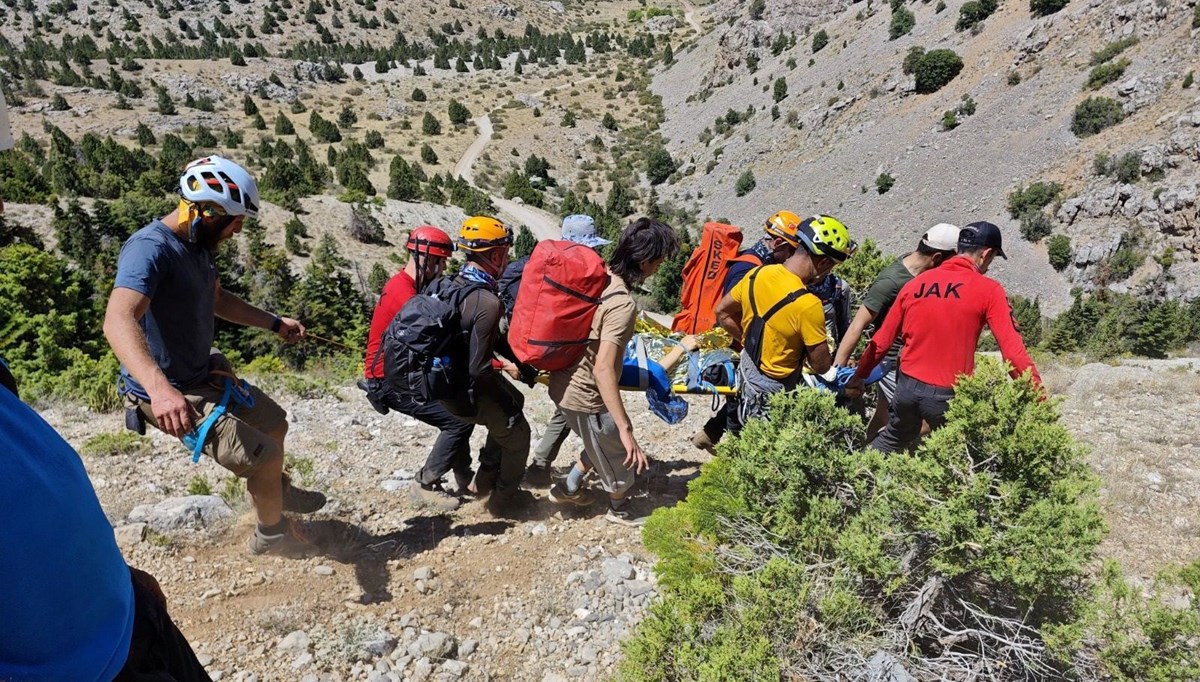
(160, 323)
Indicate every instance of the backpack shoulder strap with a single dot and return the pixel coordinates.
(780, 305)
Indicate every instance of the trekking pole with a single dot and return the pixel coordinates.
(331, 342)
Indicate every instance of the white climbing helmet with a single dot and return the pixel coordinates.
(217, 180)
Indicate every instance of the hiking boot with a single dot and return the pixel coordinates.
(509, 503)
(580, 498)
(434, 496)
(299, 500)
(538, 475)
(463, 480)
(484, 483)
(624, 515)
(290, 544)
(702, 441)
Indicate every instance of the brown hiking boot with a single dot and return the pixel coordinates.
(433, 496)
(702, 441)
(291, 544)
(580, 498)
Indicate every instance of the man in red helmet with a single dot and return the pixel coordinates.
(428, 248)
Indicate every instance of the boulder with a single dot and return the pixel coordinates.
(179, 513)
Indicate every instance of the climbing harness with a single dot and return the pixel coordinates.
(236, 390)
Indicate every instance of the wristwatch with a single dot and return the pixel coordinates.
(276, 324)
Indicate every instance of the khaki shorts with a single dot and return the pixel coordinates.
(239, 441)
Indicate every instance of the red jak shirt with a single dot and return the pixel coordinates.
(940, 315)
(395, 294)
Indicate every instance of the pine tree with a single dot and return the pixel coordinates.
(525, 241)
(428, 155)
(430, 125)
(780, 89)
(403, 183)
(249, 108)
(283, 125)
(458, 113)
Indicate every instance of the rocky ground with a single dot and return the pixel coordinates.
(404, 592)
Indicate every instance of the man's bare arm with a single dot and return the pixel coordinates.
(729, 317)
(126, 308)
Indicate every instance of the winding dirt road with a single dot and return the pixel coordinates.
(689, 15)
(543, 224)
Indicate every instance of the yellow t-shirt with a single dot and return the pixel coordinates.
(800, 323)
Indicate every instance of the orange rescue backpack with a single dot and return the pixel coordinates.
(704, 278)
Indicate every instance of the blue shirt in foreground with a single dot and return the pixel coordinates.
(180, 280)
(66, 601)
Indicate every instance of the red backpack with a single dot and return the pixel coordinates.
(559, 293)
(704, 277)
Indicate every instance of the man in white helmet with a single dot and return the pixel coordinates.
(160, 322)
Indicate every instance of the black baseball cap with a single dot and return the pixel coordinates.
(982, 233)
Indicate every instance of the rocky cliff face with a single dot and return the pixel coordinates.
(850, 114)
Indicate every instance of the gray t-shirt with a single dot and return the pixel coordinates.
(882, 295)
(179, 278)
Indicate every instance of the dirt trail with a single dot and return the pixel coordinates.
(543, 224)
(689, 15)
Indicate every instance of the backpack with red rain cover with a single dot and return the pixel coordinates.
(561, 288)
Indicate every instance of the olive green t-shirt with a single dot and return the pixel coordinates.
(882, 295)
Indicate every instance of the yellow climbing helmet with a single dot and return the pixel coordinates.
(826, 236)
(481, 233)
(784, 225)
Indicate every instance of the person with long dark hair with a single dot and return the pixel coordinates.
(588, 393)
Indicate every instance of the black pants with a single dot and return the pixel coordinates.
(914, 402)
(451, 451)
(158, 651)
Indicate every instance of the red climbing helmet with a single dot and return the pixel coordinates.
(430, 241)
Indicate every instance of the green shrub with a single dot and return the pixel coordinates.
(233, 491)
(125, 443)
(199, 486)
(1058, 251)
(1127, 168)
(884, 183)
(819, 41)
(1035, 225)
(1113, 49)
(973, 12)
(659, 166)
(861, 269)
(797, 550)
(1041, 8)
(1122, 263)
(1014, 78)
(903, 21)
(1036, 196)
(1196, 17)
(911, 59)
(745, 183)
(1028, 316)
(935, 69)
(1106, 73)
(1146, 636)
(1188, 79)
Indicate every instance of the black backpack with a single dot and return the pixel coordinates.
(509, 283)
(758, 323)
(422, 342)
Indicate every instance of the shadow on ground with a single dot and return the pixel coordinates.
(348, 543)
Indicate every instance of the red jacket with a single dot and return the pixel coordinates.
(395, 294)
(940, 315)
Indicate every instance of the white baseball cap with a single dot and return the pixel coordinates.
(942, 237)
